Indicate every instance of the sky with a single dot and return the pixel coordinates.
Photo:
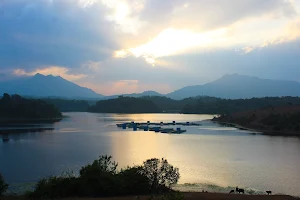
(127, 46)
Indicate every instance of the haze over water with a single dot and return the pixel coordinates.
(208, 154)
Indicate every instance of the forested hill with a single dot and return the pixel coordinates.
(125, 105)
(66, 105)
(212, 105)
(282, 120)
(17, 108)
(152, 104)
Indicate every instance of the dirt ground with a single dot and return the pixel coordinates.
(190, 196)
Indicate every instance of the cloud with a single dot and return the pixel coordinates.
(153, 44)
(51, 70)
(178, 27)
(54, 33)
(172, 42)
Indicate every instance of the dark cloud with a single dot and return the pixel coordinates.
(59, 33)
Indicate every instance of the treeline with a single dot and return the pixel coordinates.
(102, 179)
(65, 105)
(125, 105)
(158, 104)
(282, 120)
(211, 105)
(17, 108)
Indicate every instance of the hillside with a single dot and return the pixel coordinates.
(237, 86)
(47, 86)
(15, 108)
(283, 120)
(125, 105)
(212, 105)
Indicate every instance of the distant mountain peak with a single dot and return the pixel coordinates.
(235, 86)
(41, 85)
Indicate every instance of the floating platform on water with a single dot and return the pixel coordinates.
(158, 128)
(148, 123)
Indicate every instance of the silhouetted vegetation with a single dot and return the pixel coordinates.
(212, 105)
(125, 105)
(101, 179)
(284, 119)
(160, 173)
(65, 105)
(157, 104)
(3, 185)
(16, 108)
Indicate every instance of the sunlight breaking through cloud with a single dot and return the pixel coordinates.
(172, 42)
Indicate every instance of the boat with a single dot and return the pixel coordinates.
(178, 131)
(119, 125)
(167, 130)
(156, 128)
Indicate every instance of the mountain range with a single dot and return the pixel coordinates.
(47, 86)
(232, 86)
(235, 86)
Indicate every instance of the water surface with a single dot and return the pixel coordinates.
(206, 155)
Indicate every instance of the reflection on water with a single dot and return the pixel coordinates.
(208, 155)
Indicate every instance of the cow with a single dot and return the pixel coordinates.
(231, 191)
(240, 190)
(269, 192)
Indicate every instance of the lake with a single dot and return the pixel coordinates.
(210, 157)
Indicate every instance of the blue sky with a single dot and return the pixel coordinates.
(125, 46)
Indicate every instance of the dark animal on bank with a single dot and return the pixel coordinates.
(231, 191)
(269, 192)
(240, 190)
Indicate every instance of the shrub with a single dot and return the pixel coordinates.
(3, 185)
(133, 181)
(101, 179)
(173, 196)
(160, 173)
(98, 179)
(54, 187)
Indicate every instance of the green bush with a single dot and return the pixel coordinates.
(98, 178)
(173, 196)
(101, 179)
(133, 181)
(54, 187)
(3, 185)
(160, 173)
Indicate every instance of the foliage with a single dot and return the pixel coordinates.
(125, 105)
(283, 121)
(3, 185)
(16, 107)
(212, 105)
(133, 181)
(173, 196)
(54, 187)
(160, 173)
(98, 178)
(101, 179)
(65, 105)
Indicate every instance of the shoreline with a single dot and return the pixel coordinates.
(8, 121)
(259, 131)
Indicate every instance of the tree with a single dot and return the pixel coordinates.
(133, 182)
(3, 185)
(98, 178)
(160, 173)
